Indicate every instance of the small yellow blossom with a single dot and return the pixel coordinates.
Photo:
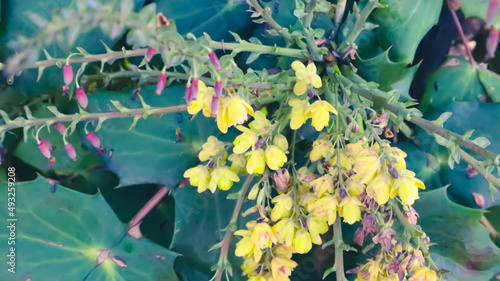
(284, 231)
(300, 113)
(322, 185)
(204, 100)
(350, 209)
(305, 76)
(406, 186)
(316, 227)
(320, 149)
(320, 114)
(366, 164)
(244, 141)
(282, 207)
(238, 162)
(379, 188)
(302, 241)
(262, 237)
(211, 148)
(260, 125)
(281, 268)
(281, 142)
(198, 176)
(424, 274)
(253, 192)
(222, 177)
(232, 111)
(275, 158)
(354, 186)
(256, 161)
(324, 208)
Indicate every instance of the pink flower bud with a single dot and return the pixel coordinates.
(214, 59)
(187, 94)
(162, 80)
(149, 54)
(218, 88)
(215, 105)
(194, 89)
(93, 139)
(70, 150)
(45, 148)
(60, 128)
(81, 97)
(281, 179)
(492, 43)
(492, 12)
(67, 74)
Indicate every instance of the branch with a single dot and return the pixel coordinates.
(269, 19)
(226, 241)
(461, 33)
(339, 252)
(92, 116)
(480, 169)
(148, 207)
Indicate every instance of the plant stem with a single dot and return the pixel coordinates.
(226, 241)
(480, 169)
(92, 116)
(257, 48)
(461, 33)
(149, 206)
(269, 19)
(339, 252)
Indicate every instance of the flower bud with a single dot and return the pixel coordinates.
(81, 97)
(412, 215)
(162, 80)
(45, 148)
(187, 94)
(70, 150)
(492, 43)
(60, 128)
(93, 139)
(492, 12)
(359, 236)
(215, 105)
(281, 179)
(67, 74)
(214, 59)
(194, 89)
(218, 88)
(253, 192)
(149, 54)
(65, 90)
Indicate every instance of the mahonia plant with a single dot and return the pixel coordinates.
(351, 174)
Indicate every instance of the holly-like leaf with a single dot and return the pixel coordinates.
(463, 244)
(60, 235)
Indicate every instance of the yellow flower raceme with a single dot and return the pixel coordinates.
(260, 125)
(204, 100)
(211, 148)
(244, 141)
(406, 186)
(320, 149)
(275, 158)
(232, 111)
(305, 76)
(300, 113)
(302, 241)
(320, 114)
(198, 176)
(282, 207)
(256, 161)
(222, 177)
(350, 209)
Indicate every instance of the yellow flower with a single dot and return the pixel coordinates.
(249, 266)
(406, 185)
(198, 176)
(424, 274)
(257, 278)
(305, 76)
(275, 158)
(349, 209)
(262, 237)
(320, 113)
(253, 192)
(211, 148)
(379, 188)
(232, 111)
(320, 149)
(316, 227)
(281, 142)
(245, 246)
(400, 156)
(204, 100)
(244, 141)
(300, 113)
(302, 242)
(260, 124)
(281, 268)
(366, 165)
(324, 208)
(256, 161)
(238, 163)
(222, 177)
(282, 207)
(354, 185)
(322, 185)
(284, 231)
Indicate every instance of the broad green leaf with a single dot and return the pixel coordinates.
(463, 244)
(150, 152)
(60, 235)
(403, 24)
(491, 83)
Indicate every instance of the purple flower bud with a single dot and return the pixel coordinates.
(60, 128)
(218, 88)
(492, 12)
(93, 139)
(303, 221)
(393, 172)
(149, 54)
(214, 59)
(194, 89)
(187, 94)
(412, 215)
(369, 224)
(281, 179)
(136, 93)
(274, 70)
(45, 148)
(215, 105)
(359, 236)
(260, 143)
(492, 43)
(310, 94)
(342, 193)
(70, 150)
(385, 237)
(81, 97)
(162, 80)
(67, 74)
(393, 266)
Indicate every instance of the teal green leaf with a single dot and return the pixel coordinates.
(151, 152)
(491, 83)
(60, 235)
(403, 24)
(463, 244)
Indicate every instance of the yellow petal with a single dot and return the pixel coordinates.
(300, 88)
(297, 65)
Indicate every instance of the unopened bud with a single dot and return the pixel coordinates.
(214, 59)
(194, 89)
(492, 12)
(149, 54)
(60, 128)
(218, 88)
(81, 97)
(492, 43)
(479, 199)
(70, 150)
(93, 139)
(281, 179)
(412, 215)
(215, 105)
(162, 80)
(67, 74)
(359, 236)
(253, 192)
(45, 148)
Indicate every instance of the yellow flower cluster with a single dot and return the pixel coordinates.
(319, 112)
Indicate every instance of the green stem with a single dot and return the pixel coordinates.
(257, 48)
(266, 16)
(480, 168)
(339, 252)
